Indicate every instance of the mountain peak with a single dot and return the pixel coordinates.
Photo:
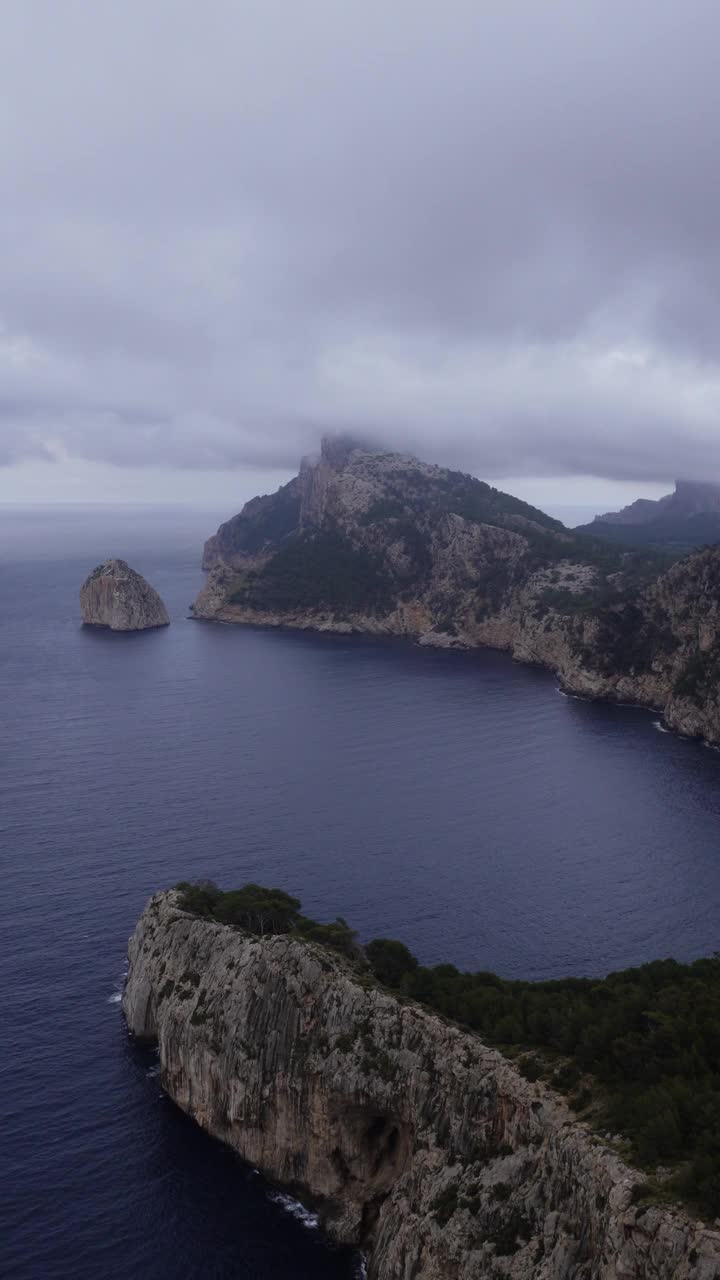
(336, 448)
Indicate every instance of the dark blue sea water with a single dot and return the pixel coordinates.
(456, 801)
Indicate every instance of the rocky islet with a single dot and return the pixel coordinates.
(117, 597)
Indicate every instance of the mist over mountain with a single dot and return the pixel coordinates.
(688, 517)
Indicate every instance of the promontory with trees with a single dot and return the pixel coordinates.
(637, 1053)
(448, 1124)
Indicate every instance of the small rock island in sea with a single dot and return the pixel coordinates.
(115, 596)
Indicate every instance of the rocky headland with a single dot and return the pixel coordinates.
(115, 596)
(688, 517)
(382, 543)
(415, 1141)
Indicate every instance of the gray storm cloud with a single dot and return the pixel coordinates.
(489, 231)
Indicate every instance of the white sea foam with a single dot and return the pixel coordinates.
(361, 1273)
(610, 702)
(295, 1209)
(658, 724)
(576, 697)
(153, 1071)
(115, 998)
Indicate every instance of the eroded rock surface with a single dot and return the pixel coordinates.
(415, 1140)
(115, 596)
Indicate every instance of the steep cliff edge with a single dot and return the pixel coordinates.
(386, 544)
(117, 597)
(415, 1140)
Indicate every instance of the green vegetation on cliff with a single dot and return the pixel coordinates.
(264, 521)
(643, 1045)
(454, 492)
(320, 570)
(264, 911)
(649, 1037)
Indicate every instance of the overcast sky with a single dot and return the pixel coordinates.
(484, 230)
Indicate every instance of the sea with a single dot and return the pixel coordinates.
(456, 801)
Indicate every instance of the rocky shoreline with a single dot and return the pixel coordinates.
(415, 1141)
(680, 716)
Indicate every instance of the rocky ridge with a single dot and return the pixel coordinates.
(688, 499)
(116, 596)
(688, 517)
(383, 543)
(415, 1141)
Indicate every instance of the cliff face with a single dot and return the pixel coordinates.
(382, 543)
(415, 1141)
(115, 596)
(262, 524)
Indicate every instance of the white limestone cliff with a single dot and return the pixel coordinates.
(413, 1139)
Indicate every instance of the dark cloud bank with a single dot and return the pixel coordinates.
(486, 231)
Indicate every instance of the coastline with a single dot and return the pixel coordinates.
(332, 627)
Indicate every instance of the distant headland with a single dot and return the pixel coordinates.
(367, 541)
